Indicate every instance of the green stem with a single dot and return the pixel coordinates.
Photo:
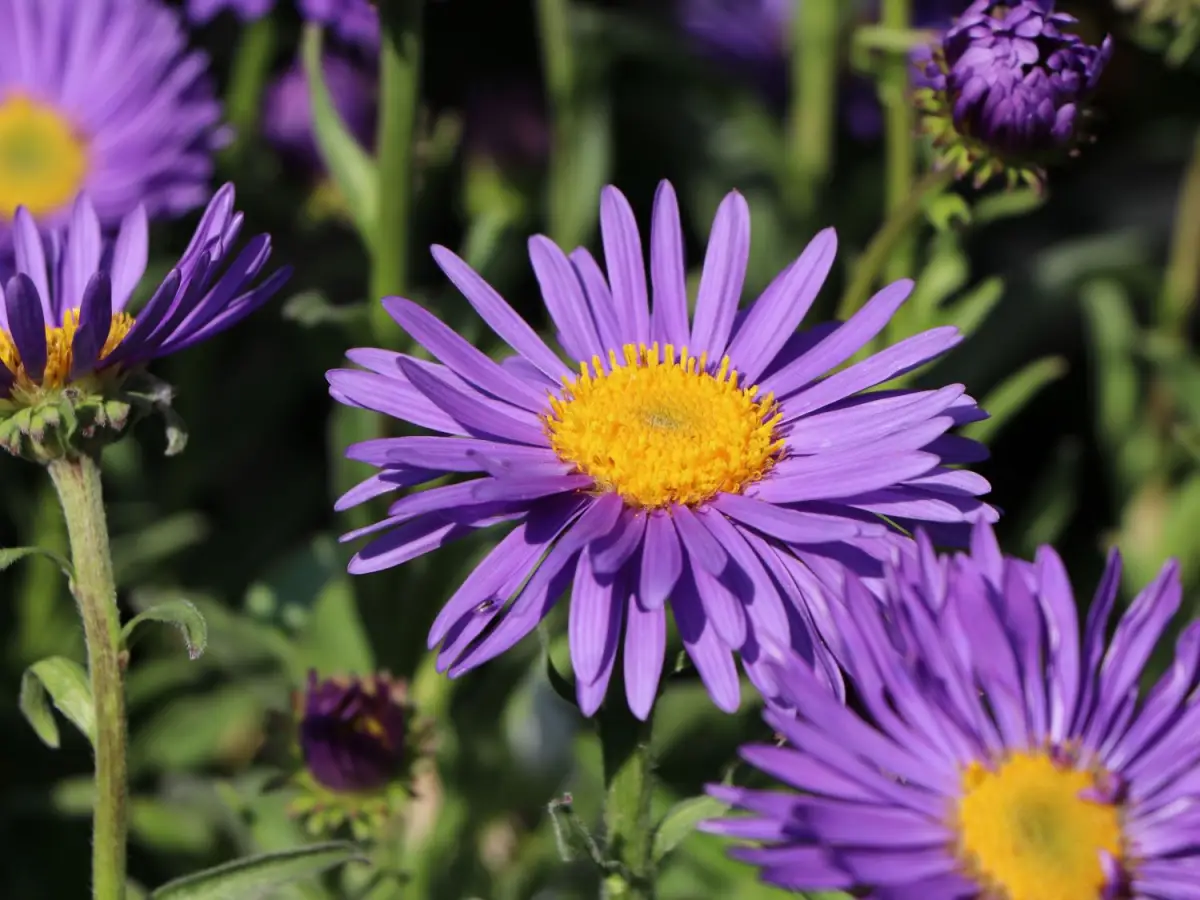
(894, 230)
(625, 748)
(399, 101)
(247, 80)
(560, 74)
(1183, 267)
(899, 128)
(79, 491)
(814, 41)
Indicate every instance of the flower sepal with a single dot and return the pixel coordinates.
(82, 418)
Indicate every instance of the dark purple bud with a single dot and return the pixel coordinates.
(353, 731)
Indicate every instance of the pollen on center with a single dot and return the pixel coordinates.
(661, 428)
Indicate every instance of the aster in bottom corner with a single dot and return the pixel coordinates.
(717, 466)
(357, 744)
(998, 753)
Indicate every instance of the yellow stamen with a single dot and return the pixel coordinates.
(660, 429)
(58, 351)
(43, 160)
(1025, 833)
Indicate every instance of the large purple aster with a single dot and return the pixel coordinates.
(1007, 85)
(715, 463)
(102, 97)
(997, 754)
(63, 315)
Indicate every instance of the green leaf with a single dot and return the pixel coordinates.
(579, 170)
(65, 683)
(181, 613)
(1013, 394)
(969, 311)
(10, 555)
(348, 163)
(681, 820)
(258, 877)
(1114, 335)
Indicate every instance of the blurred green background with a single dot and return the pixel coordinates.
(1094, 445)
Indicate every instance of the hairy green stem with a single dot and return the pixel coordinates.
(628, 782)
(899, 139)
(1183, 266)
(895, 229)
(79, 491)
(399, 102)
(814, 99)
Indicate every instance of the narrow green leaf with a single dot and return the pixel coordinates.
(350, 165)
(1114, 335)
(10, 555)
(969, 311)
(579, 169)
(1013, 394)
(681, 820)
(258, 877)
(181, 613)
(63, 682)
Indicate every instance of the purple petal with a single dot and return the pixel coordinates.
(26, 325)
(610, 556)
(599, 298)
(789, 525)
(625, 265)
(842, 343)
(662, 561)
(722, 277)
(464, 360)
(500, 317)
(903, 357)
(564, 299)
(82, 260)
(395, 398)
(777, 314)
(713, 660)
(130, 255)
(481, 416)
(406, 542)
(702, 547)
(669, 314)
(31, 259)
(95, 321)
(645, 649)
(594, 625)
(446, 454)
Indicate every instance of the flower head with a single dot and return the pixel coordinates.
(710, 461)
(67, 334)
(355, 743)
(1005, 90)
(103, 98)
(998, 753)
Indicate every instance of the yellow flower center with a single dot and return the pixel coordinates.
(1025, 833)
(43, 160)
(58, 351)
(660, 429)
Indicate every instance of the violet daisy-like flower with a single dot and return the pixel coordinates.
(712, 463)
(998, 752)
(102, 97)
(1005, 90)
(69, 339)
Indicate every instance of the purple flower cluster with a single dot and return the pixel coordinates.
(1008, 82)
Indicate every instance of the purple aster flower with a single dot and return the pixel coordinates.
(997, 753)
(287, 115)
(247, 10)
(715, 462)
(353, 731)
(354, 21)
(1005, 88)
(69, 339)
(102, 97)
